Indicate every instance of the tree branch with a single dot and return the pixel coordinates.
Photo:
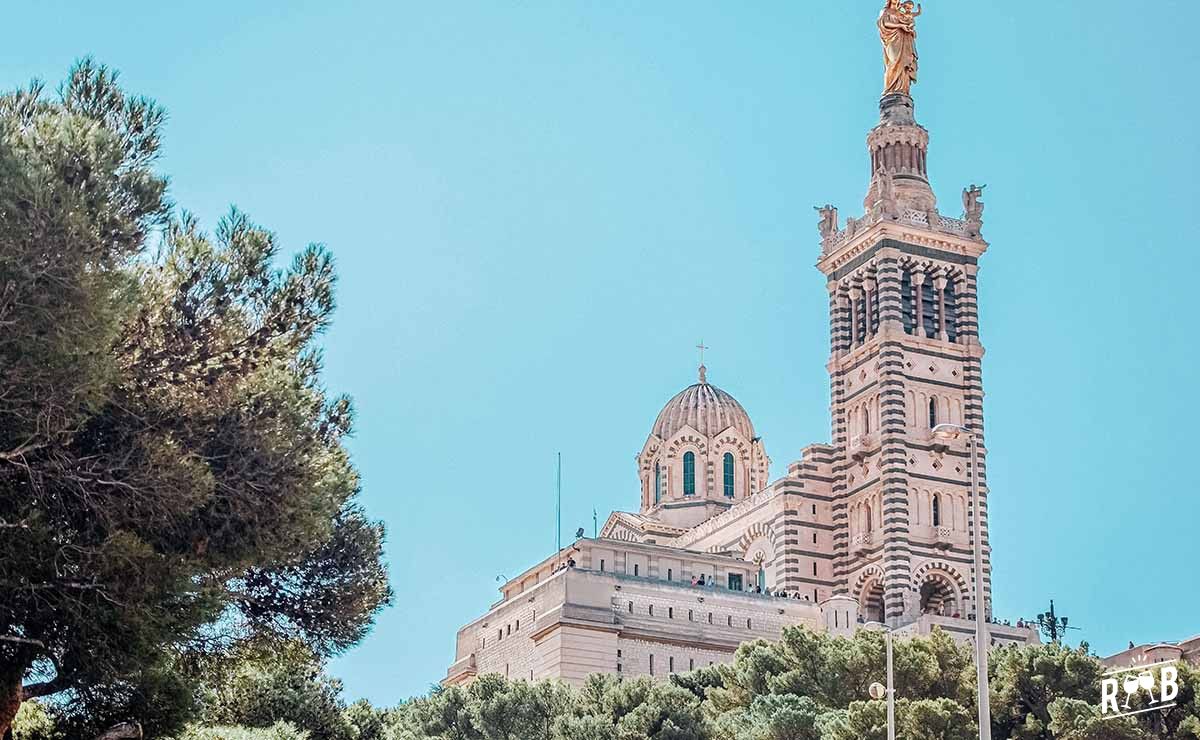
(45, 688)
(22, 641)
(125, 730)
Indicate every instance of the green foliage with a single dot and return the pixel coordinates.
(772, 717)
(491, 708)
(34, 722)
(285, 683)
(1041, 692)
(277, 731)
(173, 478)
(808, 686)
(836, 672)
(1072, 719)
(1025, 681)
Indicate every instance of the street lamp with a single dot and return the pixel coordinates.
(878, 692)
(982, 641)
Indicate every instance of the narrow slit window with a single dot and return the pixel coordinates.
(689, 474)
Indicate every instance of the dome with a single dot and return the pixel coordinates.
(705, 408)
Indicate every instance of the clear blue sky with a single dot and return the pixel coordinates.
(538, 207)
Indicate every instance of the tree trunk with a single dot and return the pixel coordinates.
(10, 703)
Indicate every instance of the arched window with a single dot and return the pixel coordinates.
(728, 474)
(951, 312)
(933, 412)
(866, 420)
(907, 310)
(937, 509)
(869, 519)
(657, 483)
(689, 474)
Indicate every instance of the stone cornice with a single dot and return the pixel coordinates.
(887, 335)
(863, 241)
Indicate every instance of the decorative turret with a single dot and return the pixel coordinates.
(899, 148)
(899, 191)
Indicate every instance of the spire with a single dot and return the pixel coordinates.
(703, 369)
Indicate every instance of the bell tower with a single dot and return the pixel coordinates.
(905, 357)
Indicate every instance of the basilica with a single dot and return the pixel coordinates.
(874, 529)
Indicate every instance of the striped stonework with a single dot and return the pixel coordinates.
(875, 526)
(904, 357)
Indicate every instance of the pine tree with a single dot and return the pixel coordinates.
(173, 479)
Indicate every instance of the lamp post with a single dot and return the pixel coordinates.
(982, 640)
(1052, 625)
(878, 692)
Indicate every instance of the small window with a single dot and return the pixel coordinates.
(710, 618)
(651, 664)
(933, 412)
(691, 616)
(518, 625)
(670, 612)
(618, 653)
(618, 667)
(670, 574)
(657, 483)
(814, 567)
(814, 540)
(510, 629)
(691, 664)
(635, 569)
(631, 607)
(729, 477)
(729, 619)
(937, 510)
(748, 626)
(671, 664)
(689, 474)
(650, 610)
(814, 509)
(601, 565)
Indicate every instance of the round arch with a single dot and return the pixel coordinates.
(868, 589)
(941, 589)
(758, 545)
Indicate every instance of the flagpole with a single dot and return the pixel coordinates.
(558, 509)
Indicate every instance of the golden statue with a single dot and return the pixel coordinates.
(898, 31)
